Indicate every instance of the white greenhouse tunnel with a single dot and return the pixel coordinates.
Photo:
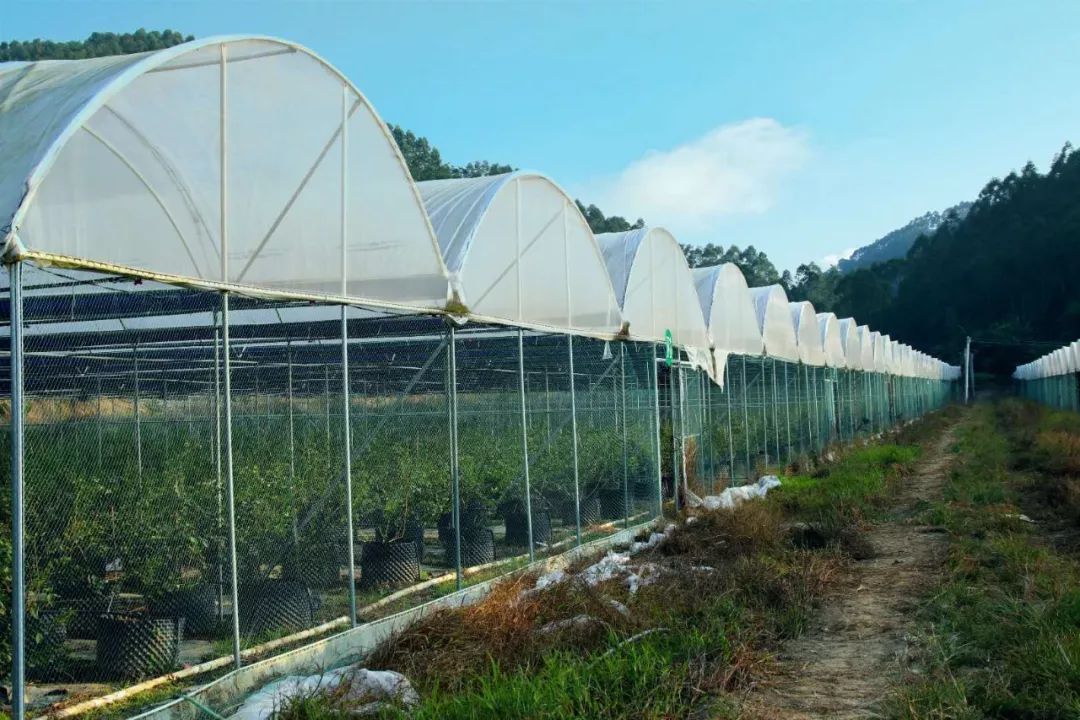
(656, 291)
(519, 251)
(849, 338)
(729, 312)
(831, 343)
(189, 146)
(774, 321)
(807, 333)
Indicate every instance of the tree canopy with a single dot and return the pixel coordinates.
(96, 45)
(755, 265)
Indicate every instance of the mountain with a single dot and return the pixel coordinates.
(896, 244)
(1004, 274)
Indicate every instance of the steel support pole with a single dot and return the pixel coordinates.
(18, 541)
(574, 430)
(455, 470)
(230, 494)
(746, 417)
(730, 435)
(764, 415)
(346, 439)
(775, 413)
(525, 443)
(659, 445)
(217, 467)
(787, 409)
(138, 419)
(625, 436)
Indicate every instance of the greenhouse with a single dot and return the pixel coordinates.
(265, 391)
(1052, 378)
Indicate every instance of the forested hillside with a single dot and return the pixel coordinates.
(1004, 274)
(895, 245)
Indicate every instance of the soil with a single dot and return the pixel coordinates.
(861, 642)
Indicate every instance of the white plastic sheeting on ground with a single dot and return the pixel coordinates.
(371, 689)
(244, 160)
(655, 290)
(774, 321)
(732, 497)
(518, 250)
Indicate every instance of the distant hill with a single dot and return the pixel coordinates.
(896, 244)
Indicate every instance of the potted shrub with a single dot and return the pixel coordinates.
(133, 646)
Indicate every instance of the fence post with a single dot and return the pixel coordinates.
(346, 438)
(787, 410)
(746, 417)
(18, 542)
(730, 435)
(525, 443)
(455, 476)
(573, 427)
(230, 494)
(625, 439)
(659, 443)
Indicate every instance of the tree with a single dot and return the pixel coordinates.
(600, 223)
(96, 45)
(755, 266)
(426, 163)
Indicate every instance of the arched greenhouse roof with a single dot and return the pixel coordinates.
(729, 311)
(866, 349)
(774, 321)
(878, 342)
(518, 250)
(831, 343)
(655, 290)
(849, 337)
(807, 333)
(243, 160)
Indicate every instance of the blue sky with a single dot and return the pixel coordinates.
(803, 128)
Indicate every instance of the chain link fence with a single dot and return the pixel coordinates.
(211, 479)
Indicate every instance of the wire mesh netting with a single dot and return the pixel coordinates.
(206, 474)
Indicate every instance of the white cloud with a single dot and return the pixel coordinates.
(733, 169)
(835, 258)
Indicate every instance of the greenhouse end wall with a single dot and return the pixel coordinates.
(210, 475)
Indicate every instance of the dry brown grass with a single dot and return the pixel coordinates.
(743, 556)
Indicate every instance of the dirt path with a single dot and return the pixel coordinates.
(858, 645)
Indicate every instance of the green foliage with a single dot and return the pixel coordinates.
(1004, 272)
(895, 245)
(96, 45)
(600, 223)
(1005, 627)
(755, 266)
(426, 163)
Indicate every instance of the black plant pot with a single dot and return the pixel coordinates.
(644, 491)
(46, 634)
(274, 606)
(477, 546)
(385, 564)
(517, 527)
(590, 511)
(198, 606)
(613, 503)
(83, 613)
(474, 517)
(136, 646)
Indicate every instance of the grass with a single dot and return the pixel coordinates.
(1003, 636)
(735, 587)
